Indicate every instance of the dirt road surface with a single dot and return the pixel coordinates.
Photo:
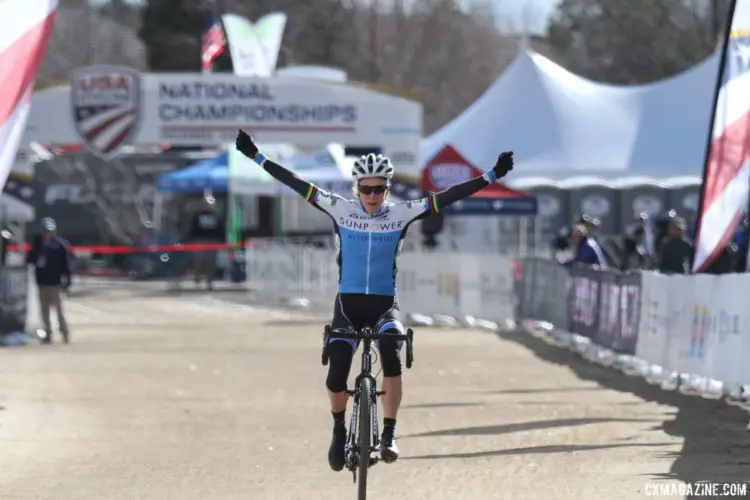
(195, 397)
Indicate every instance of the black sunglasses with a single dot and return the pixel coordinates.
(372, 189)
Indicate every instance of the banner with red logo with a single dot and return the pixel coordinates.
(448, 167)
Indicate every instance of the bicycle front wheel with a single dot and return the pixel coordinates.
(365, 433)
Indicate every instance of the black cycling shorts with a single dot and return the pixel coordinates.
(357, 310)
(353, 311)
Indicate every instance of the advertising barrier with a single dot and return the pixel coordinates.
(697, 325)
(603, 306)
(543, 284)
(430, 284)
(686, 332)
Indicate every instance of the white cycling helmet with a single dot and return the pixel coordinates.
(371, 165)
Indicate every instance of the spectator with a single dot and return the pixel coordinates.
(639, 243)
(6, 237)
(50, 256)
(741, 233)
(742, 240)
(724, 262)
(561, 241)
(675, 253)
(586, 250)
(592, 227)
(591, 223)
(206, 227)
(692, 224)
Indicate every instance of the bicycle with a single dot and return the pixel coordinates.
(361, 447)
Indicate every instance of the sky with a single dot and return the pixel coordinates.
(533, 13)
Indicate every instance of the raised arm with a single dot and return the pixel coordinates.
(307, 190)
(247, 147)
(465, 189)
(434, 203)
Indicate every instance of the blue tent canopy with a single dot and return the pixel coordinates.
(211, 173)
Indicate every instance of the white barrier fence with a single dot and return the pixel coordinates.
(695, 329)
(429, 284)
(690, 333)
(693, 334)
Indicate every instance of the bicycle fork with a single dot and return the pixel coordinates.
(351, 441)
(352, 448)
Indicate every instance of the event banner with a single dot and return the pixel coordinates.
(107, 108)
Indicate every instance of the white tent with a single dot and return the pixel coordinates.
(559, 124)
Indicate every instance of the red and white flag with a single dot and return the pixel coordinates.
(25, 28)
(214, 44)
(726, 175)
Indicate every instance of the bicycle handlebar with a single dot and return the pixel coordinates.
(367, 336)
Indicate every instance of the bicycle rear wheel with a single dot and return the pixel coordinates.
(365, 434)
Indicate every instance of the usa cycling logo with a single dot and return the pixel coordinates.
(106, 107)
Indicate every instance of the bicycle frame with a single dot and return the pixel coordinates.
(366, 337)
(351, 444)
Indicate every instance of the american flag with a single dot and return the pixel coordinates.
(25, 28)
(214, 43)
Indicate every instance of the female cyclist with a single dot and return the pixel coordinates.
(369, 231)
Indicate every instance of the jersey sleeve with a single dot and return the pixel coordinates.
(324, 201)
(434, 203)
(319, 198)
(419, 209)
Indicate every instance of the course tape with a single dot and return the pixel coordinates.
(177, 247)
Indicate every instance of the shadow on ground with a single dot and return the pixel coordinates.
(543, 391)
(531, 450)
(716, 444)
(428, 406)
(521, 426)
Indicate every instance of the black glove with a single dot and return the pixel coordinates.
(504, 164)
(245, 145)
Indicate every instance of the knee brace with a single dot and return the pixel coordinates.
(340, 355)
(390, 357)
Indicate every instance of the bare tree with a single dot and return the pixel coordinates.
(447, 55)
(85, 35)
(637, 41)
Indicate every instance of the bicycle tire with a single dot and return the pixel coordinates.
(409, 348)
(365, 434)
(326, 336)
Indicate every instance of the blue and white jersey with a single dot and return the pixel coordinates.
(368, 245)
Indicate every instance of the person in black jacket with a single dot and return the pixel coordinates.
(675, 253)
(206, 228)
(50, 255)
